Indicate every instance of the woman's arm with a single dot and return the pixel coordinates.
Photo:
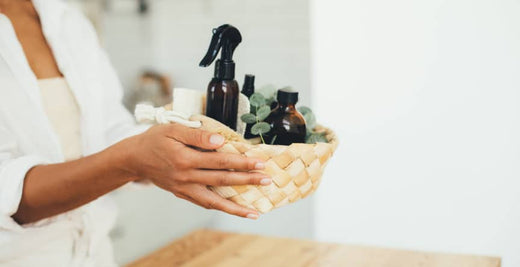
(163, 154)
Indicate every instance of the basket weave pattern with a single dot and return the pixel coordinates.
(296, 171)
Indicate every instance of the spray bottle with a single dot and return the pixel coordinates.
(223, 92)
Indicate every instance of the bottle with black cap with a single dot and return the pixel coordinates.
(249, 85)
(287, 124)
(223, 92)
(248, 89)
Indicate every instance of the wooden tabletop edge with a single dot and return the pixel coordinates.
(207, 239)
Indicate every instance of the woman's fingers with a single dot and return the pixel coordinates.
(194, 137)
(221, 178)
(208, 199)
(208, 141)
(223, 161)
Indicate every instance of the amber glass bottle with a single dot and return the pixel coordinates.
(222, 102)
(223, 92)
(287, 124)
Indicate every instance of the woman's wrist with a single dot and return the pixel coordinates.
(120, 159)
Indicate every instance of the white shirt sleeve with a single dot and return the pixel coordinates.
(12, 175)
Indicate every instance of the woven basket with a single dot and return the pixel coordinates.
(296, 171)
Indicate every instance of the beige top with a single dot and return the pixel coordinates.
(63, 113)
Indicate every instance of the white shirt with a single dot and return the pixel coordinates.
(27, 138)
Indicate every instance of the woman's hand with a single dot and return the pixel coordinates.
(166, 155)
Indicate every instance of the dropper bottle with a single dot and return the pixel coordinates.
(287, 124)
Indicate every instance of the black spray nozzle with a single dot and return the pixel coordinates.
(226, 37)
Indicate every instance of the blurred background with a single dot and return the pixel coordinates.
(424, 96)
(157, 40)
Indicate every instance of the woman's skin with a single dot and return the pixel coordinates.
(28, 29)
(164, 154)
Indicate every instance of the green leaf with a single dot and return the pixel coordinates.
(310, 120)
(308, 115)
(252, 109)
(315, 138)
(269, 101)
(268, 91)
(262, 113)
(260, 128)
(257, 100)
(248, 118)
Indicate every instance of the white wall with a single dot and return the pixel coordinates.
(173, 38)
(425, 98)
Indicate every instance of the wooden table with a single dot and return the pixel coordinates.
(211, 248)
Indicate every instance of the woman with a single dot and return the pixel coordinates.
(66, 140)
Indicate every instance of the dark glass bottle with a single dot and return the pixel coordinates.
(222, 95)
(248, 89)
(287, 124)
(222, 101)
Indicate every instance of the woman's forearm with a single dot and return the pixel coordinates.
(164, 155)
(52, 189)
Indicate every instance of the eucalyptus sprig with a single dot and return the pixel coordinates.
(261, 111)
(310, 122)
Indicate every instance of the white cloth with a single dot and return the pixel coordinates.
(148, 114)
(27, 138)
(187, 102)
